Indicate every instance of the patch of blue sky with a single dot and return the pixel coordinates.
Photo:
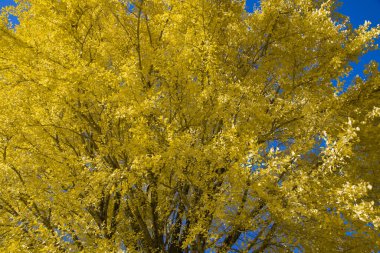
(319, 145)
(252, 5)
(67, 238)
(6, 3)
(130, 7)
(243, 241)
(276, 145)
(123, 248)
(13, 19)
(359, 12)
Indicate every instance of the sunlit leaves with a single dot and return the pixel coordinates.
(185, 125)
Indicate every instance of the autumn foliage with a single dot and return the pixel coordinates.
(186, 126)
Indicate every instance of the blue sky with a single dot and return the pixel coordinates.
(5, 2)
(359, 11)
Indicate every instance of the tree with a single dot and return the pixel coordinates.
(182, 126)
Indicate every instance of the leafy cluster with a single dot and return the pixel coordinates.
(183, 126)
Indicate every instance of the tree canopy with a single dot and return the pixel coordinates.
(187, 126)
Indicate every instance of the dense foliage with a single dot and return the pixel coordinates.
(186, 125)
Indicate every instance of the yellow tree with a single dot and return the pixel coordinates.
(186, 126)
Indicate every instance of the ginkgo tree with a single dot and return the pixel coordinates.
(186, 126)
